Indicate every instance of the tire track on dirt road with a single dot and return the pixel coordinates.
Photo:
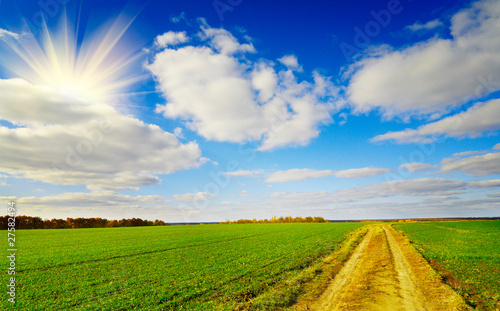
(386, 273)
(332, 295)
(413, 298)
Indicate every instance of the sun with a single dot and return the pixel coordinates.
(99, 68)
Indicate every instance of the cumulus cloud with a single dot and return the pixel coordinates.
(60, 139)
(418, 26)
(178, 132)
(431, 76)
(482, 165)
(291, 62)
(223, 96)
(496, 147)
(477, 120)
(223, 41)
(171, 38)
(194, 197)
(26, 104)
(416, 167)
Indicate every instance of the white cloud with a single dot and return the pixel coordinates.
(416, 167)
(171, 38)
(264, 81)
(194, 197)
(484, 183)
(361, 172)
(496, 147)
(291, 62)
(440, 188)
(306, 173)
(477, 120)
(106, 204)
(245, 173)
(92, 199)
(427, 26)
(5, 33)
(418, 198)
(300, 195)
(224, 97)
(431, 76)
(467, 153)
(441, 198)
(178, 132)
(297, 174)
(422, 186)
(26, 104)
(178, 18)
(72, 141)
(223, 41)
(483, 165)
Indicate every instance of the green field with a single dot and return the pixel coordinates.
(202, 267)
(470, 250)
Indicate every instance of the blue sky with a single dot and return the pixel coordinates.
(214, 110)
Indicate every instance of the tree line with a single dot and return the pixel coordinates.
(288, 219)
(29, 222)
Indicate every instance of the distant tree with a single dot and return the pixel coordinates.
(58, 223)
(4, 222)
(112, 223)
(288, 219)
(158, 222)
(318, 219)
(29, 222)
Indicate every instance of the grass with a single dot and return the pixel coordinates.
(308, 285)
(211, 267)
(465, 254)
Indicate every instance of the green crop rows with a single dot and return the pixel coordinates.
(203, 267)
(470, 250)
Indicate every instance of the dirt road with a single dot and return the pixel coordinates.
(385, 273)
